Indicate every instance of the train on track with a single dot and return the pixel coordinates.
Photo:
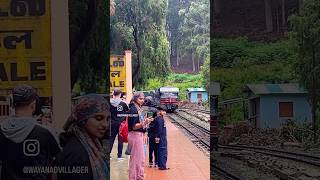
(166, 96)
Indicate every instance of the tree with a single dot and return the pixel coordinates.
(88, 43)
(194, 37)
(173, 24)
(145, 20)
(205, 73)
(306, 32)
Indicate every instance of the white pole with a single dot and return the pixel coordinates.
(61, 86)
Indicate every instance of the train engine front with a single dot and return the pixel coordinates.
(169, 98)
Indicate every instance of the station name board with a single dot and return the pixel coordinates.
(25, 44)
(117, 73)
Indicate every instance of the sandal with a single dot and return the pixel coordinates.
(164, 168)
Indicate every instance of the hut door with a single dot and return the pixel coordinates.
(199, 97)
(254, 113)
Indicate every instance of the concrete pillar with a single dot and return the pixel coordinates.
(217, 6)
(268, 15)
(128, 59)
(61, 87)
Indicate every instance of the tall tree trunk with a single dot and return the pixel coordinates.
(198, 65)
(77, 40)
(193, 63)
(277, 19)
(178, 56)
(283, 14)
(136, 72)
(216, 6)
(92, 6)
(300, 5)
(268, 14)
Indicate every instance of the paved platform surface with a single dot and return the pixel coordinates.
(185, 160)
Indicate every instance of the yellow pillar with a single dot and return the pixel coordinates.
(128, 58)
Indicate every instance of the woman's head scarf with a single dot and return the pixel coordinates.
(87, 107)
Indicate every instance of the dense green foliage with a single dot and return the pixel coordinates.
(89, 44)
(181, 81)
(228, 53)
(233, 80)
(195, 30)
(237, 62)
(188, 23)
(140, 26)
(306, 33)
(205, 73)
(153, 29)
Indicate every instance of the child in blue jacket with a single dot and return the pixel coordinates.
(161, 140)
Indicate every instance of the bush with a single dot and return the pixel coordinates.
(181, 81)
(237, 62)
(228, 53)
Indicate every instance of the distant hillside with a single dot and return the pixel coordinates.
(185, 65)
(247, 18)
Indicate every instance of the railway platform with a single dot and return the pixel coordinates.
(185, 160)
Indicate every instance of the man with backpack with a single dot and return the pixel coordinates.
(25, 144)
(118, 109)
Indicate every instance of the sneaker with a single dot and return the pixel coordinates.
(150, 164)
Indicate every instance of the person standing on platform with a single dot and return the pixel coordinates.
(153, 155)
(23, 142)
(137, 122)
(118, 109)
(161, 139)
(81, 146)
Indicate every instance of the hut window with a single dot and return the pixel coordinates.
(286, 109)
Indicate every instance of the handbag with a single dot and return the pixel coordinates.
(123, 131)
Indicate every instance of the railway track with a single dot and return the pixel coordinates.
(221, 173)
(202, 128)
(197, 110)
(202, 115)
(300, 157)
(201, 135)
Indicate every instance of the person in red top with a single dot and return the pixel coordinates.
(118, 109)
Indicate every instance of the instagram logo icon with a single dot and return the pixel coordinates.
(31, 147)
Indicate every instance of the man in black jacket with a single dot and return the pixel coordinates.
(118, 109)
(24, 143)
